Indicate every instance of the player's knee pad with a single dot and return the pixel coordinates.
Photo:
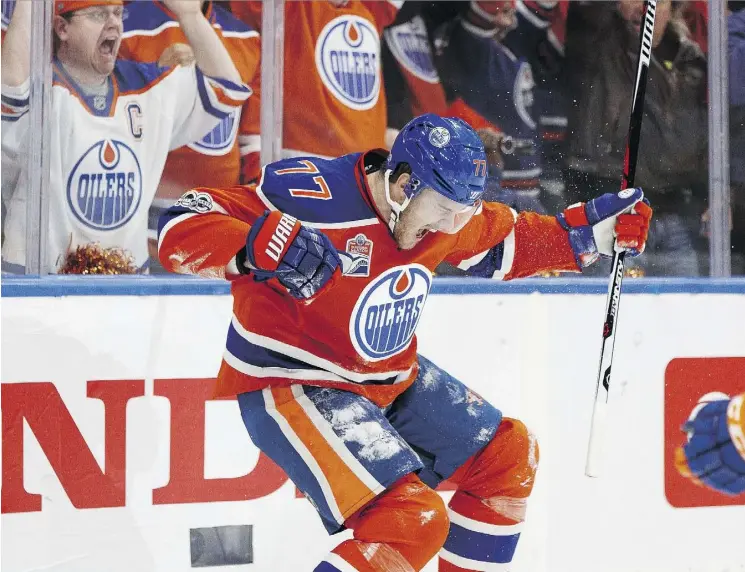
(502, 474)
(409, 517)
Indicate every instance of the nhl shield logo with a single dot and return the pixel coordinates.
(356, 259)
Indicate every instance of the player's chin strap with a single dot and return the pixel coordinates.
(396, 209)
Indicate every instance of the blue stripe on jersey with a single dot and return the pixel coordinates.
(170, 214)
(227, 21)
(479, 546)
(12, 118)
(135, 76)
(267, 436)
(7, 100)
(227, 84)
(259, 356)
(205, 98)
(326, 567)
(144, 16)
(346, 203)
(489, 264)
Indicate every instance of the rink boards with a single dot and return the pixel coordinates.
(115, 457)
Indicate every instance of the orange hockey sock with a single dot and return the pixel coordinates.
(487, 511)
(398, 531)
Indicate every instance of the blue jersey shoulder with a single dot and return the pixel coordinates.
(227, 21)
(321, 191)
(144, 16)
(136, 76)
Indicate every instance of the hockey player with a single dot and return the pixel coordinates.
(331, 264)
(113, 123)
(714, 453)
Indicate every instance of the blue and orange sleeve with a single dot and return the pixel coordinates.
(202, 232)
(499, 243)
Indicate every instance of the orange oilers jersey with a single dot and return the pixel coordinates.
(358, 335)
(334, 101)
(229, 154)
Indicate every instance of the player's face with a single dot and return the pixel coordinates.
(429, 211)
(93, 37)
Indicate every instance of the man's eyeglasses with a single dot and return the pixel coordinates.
(100, 15)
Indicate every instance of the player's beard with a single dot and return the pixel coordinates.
(408, 232)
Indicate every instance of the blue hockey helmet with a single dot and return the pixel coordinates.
(445, 154)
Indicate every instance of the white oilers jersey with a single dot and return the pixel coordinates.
(108, 153)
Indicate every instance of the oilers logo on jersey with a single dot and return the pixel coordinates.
(104, 188)
(347, 58)
(410, 46)
(523, 94)
(387, 311)
(356, 259)
(220, 140)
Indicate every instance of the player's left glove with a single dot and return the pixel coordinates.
(714, 455)
(302, 259)
(596, 227)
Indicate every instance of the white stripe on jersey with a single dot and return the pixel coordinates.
(314, 360)
(302, 450)
(469, 564)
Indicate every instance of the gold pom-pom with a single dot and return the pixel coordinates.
(634, 272)
(93, 259)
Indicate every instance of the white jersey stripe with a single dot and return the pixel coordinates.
(335, 441)
(473, 261)
(508, 253)
(316, 361)
(297, 374)
(302, 450)
(469, 564)
(170, 224)
(484, 527)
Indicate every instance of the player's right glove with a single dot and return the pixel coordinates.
(302, 259)
(614, 219)
(714, 455)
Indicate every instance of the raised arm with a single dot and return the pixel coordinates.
(16, 52)
(211, 56)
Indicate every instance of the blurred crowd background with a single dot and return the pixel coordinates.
(547, 84)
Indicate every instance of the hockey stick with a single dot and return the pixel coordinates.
(599, 422)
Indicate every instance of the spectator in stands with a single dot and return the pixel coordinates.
(113, 123)
(601, 51)
(736, 41)
(485, 81)
(539, 37)
(229, 154)
(334, 102)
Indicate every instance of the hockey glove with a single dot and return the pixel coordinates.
(714, 455)
(612, 220)
(302, 259)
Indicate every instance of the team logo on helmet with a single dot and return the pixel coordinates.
(439, 137)
(523, 94)
(104, 188)
(388, 310)
(409, 44)
(220, 140)
(347, 58)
